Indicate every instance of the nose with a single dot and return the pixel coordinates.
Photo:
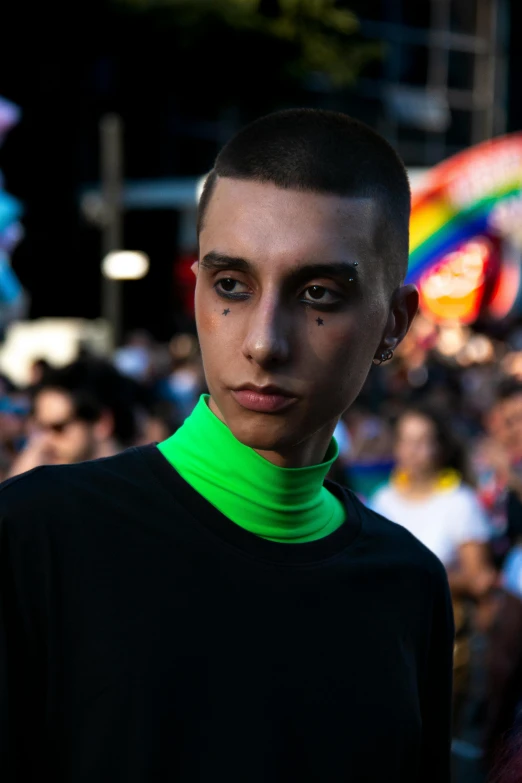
(267, 341)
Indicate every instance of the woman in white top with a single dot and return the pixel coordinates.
(427, 495)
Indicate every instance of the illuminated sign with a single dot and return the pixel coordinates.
(453, 289)
(464, 202)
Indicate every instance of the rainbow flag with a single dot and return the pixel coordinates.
(461, 198)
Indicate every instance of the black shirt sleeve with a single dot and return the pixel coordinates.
(438, 686)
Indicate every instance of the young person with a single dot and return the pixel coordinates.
(429, 496)
(212, 609)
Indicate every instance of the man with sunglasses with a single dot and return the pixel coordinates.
(212, 609)
(73, 419)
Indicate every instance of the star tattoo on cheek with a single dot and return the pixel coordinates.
(320, 321)
(226, 312)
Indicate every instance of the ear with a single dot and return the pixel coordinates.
(104, 427)
(404, 307)
(194, 268)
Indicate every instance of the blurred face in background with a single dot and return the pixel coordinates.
(416, 450)
(508, 426)
(64, 439)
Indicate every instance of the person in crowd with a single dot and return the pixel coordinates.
(184, 382)
(79, 412)
(38, 370)
(369, 462)
(499, 459)
(14, 410)
(501, 455)
(157, 421)
(209, 608)
(134, 358)
(429, 495)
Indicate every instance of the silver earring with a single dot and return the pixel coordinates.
(384, 357)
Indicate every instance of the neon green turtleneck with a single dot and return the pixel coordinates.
(282, 504)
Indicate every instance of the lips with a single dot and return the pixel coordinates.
(263, 399)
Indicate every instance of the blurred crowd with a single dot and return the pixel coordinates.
(94, 407)
(432, 444)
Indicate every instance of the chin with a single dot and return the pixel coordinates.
(270, 432)
(264, 432)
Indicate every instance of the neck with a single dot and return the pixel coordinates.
(289, 505)
(302, 455)
(423, 480)
(416, 483)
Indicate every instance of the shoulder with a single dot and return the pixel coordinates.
(65, 520)
(58, 491)
(410, 578)
(465, 496)
(30, 491)
(461, 507)
(468, 515)
(393, 543)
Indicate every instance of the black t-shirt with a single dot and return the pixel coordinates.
(146, 637)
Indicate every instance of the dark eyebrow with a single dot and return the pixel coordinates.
(215, 261)
(343, 269)
(337, 269)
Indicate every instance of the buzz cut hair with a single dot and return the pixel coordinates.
(324, 152)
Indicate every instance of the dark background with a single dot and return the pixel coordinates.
(180, 93)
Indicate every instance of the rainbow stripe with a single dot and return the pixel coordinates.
(443, 218)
